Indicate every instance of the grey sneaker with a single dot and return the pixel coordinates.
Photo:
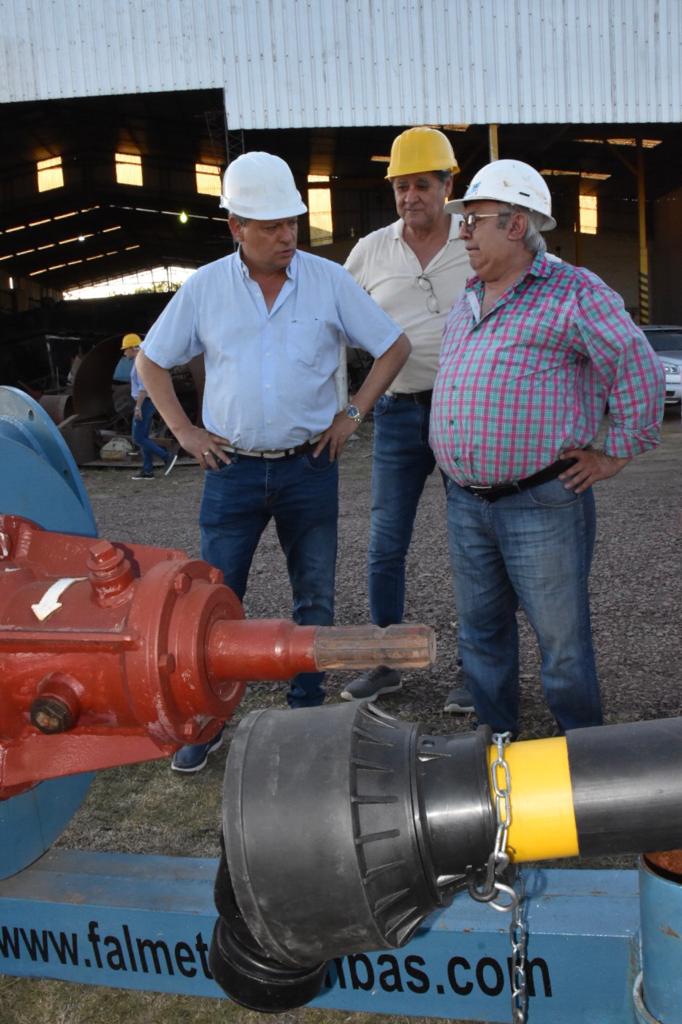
(371, 684)
(458, 701)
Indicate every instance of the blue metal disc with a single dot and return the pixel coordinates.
(40, 481)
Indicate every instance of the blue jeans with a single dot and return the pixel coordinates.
(141, 437)
(533, 550)
(402, 462)
(301, 494)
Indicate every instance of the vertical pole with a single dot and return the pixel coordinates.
(576, 233)
(643, 248)
(234, 146)
(493, 142)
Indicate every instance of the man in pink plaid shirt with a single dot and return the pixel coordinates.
(531, 354)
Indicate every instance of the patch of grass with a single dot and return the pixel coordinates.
(25, 1001)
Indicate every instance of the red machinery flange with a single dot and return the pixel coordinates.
(116, 653)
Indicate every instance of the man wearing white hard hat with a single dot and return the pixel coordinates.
(414, 268)
(532, 353)
(272, 324)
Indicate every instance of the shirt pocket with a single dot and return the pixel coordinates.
(310, 343)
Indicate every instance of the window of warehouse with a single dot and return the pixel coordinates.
(588, 215)
(208, 179)
(128, 169)
(320, 210)
(50, 174)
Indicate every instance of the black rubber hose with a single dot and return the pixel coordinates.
(626, 786)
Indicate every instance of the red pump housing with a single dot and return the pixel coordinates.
(115, 653)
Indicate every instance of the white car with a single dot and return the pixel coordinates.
(667, 344)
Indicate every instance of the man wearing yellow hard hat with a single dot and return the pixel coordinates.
(414, 269)
(142, 417)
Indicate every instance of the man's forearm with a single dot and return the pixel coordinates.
(383, 372)
(159, 386)
(378, 379)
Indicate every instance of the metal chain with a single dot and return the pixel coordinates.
(518, 934)
(500, 884)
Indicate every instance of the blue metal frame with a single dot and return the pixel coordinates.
(145, 922)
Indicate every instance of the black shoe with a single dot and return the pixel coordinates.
(170, 464)
(193, 758)
(370, 685)
(458, 701)
(143, 476)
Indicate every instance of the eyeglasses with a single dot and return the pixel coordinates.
(426, 285)
(470, 220)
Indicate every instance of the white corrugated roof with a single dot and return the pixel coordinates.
(316, 63)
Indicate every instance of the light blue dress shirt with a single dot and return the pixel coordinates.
(136, 384)
(269, 374)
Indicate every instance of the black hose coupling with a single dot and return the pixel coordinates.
(343, 829)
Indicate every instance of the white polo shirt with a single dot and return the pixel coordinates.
(387, 268)
(269, 373)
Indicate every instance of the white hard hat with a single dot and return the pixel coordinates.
(509, 181)
(260, 186)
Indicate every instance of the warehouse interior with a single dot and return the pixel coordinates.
(96, 188)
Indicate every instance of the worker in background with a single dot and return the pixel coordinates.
(414, 269)
(272, 324)
(532, 352)
(143, 412)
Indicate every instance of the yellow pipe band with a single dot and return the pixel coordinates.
(542, 817)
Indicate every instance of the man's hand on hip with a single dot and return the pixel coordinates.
(336, 435)
(591, 465)
(199, 443)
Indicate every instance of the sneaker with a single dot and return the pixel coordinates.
(458, 701)
(170, 464)
(143, 476)
(370, 685)
(194, 757)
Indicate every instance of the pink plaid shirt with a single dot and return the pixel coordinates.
(532, 378)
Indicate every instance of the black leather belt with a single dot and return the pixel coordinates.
(418, 397)
(282, 453)
(516, 486)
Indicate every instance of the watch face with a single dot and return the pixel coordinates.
(353, 412)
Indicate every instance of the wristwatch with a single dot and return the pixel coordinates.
(353, 413)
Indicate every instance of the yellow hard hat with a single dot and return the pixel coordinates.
(421, 149)
(130, 341)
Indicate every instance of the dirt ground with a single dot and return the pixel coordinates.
(146, 808)
(635, 580)
(635, 588)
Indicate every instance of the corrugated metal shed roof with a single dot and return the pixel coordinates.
(317, 63)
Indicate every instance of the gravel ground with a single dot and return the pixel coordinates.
(636, 622)
(146, 808)
(635, 578)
